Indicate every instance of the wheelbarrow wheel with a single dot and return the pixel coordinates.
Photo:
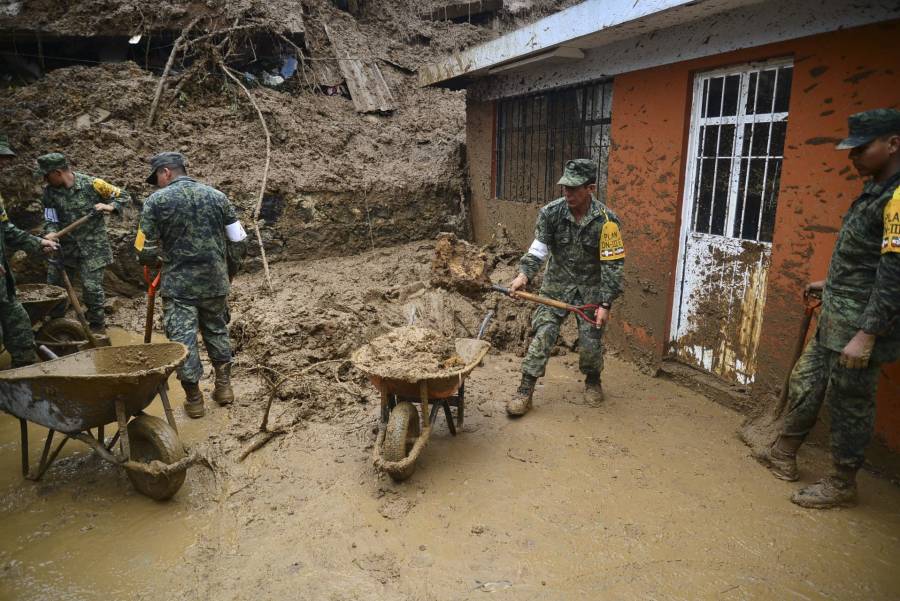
(152, 439)
(399, 437)
(61, 329)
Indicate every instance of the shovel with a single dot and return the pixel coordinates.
(152, 287)
(73, 299)
(812, 301)
(580, 310)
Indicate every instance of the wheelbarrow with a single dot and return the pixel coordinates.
(61, 335)
(90, 389)
(402, 434)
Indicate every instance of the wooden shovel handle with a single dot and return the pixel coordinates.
(543, 300)
(75, 225)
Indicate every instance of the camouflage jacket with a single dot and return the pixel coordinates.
(15, 239)
(862, 291)
(187, 226)
(575, 267)
(90, 242)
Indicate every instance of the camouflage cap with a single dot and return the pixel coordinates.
(578, 172)
(868, 125)
(164, 159)
(5, 150)
(49, 162)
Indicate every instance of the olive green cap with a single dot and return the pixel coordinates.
(49, 162)
(578, 172)
(868, 125)
(164, 159)
(5, 150)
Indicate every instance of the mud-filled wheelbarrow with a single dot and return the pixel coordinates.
(402, 434)
(61, 335)
(88, 390)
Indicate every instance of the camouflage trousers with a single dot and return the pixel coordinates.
(92, 289)
(182, 319)
(818, 376)
(545, 324)
(17, 335)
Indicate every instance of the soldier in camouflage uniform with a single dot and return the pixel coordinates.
(859, 325)
(581, 238)
(69, 196)
(14, 322)
(192, 230)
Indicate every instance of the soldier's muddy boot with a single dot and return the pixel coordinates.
(593, 388)
(836, 490)
(222, 393)
(520, 402)
(781, 457)
(193, 400)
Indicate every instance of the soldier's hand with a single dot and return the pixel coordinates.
(104, 208)
(814, 288)
(48, 245)
(517, 284)
(50, 236)
(601, 317)
(857, 352)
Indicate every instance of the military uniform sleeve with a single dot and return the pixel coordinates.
(883, 309)
(612, 271)
(539, 250)
(111, 194)
(51, 216)
(147, 242)
(14, 237)
(235, 240)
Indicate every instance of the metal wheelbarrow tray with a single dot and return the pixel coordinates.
(92, 388)
(401, 436)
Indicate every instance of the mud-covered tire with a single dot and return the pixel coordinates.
(61, 329)
(151, 438)
(399, 437)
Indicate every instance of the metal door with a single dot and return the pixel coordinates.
(736, 147)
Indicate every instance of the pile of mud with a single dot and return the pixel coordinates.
(410, 354)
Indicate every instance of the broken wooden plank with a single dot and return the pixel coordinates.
(466, 8)
(368, 89)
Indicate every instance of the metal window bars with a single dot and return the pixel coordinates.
(538, 133)
(740, 148)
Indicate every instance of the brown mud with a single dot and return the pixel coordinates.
(652, 490)
(409, 353)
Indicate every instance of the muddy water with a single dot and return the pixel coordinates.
(83, 532)
(650, 496)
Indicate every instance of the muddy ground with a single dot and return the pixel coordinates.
(649, 496)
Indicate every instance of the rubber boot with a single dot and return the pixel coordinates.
(520, 403)
(193, 400)
(222, 393)
(781, 457)
(98, 328)
(836, 490)
(594, 389)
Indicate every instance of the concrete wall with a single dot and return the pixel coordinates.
(835, 74)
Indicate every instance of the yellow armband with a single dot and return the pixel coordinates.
(891, 241)
(105, 189)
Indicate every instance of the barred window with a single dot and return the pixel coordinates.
(538, 133)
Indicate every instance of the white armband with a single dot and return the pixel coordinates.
(539, 250)
(235, 232)
(50, 215)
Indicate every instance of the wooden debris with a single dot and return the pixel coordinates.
(368, 89)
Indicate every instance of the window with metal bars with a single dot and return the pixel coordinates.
(740, 131)
(538, 133)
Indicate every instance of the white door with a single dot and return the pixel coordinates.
(738, 125)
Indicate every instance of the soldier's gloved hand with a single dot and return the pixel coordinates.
(517, 284)
(49, 245)
(857, 352)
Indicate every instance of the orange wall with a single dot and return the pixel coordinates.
(835, 74)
